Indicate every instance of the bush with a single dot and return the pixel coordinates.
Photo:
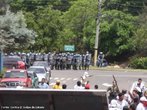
(139, 63)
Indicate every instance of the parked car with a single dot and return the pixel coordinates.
(41, 72)
(16, 77)
(16, 62)
(35, 80)
(43, 63)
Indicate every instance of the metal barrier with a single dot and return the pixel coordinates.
(48, 99)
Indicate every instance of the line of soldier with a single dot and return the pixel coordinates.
(59, 61)
(68, 61)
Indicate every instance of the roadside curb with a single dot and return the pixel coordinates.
(116, 69)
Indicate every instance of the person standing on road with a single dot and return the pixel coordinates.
(87, 86)
(138, 84)
(57, 85)
(84, 78)
(64, 86)
(78, 86)
(43, 84)
(96, 86)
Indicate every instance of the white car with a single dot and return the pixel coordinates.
(41, 72)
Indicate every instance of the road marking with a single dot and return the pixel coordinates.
(75, 79)
(107, 85)
(62, 78)
(51, 84)
(56, 78)
(132, 76)
(68, 79)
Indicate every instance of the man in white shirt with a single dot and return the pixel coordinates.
(78, 86)
(121, 102)
(142, 103)
(138, 85)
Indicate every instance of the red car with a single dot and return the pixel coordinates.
(13, 62)
(16, 77)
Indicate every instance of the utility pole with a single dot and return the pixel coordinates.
(97, 32)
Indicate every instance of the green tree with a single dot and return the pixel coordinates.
(129, 6)
(14, 32)
(116, 31)
(80, 22)
(46, 22)
(140, 35)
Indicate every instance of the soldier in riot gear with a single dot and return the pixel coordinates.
(83, 62)
(74, 62)
(100, 59)
(88, 60)
(69, 61)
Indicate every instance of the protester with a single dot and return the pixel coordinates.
(96, 86)
(84, 77)
(113, 102)
(121, 102)
(138, 85)
(132, 107)
(142, 104)
(64, 86)
(57, 85)
(125, 108)
(127, 97)
(134, 96)
(43, 84)
(87, 86)
(78, 86)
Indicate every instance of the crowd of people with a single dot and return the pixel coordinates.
(134, 99)
(80, 85)
(58, 85)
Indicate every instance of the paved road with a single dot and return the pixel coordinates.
(124, 78)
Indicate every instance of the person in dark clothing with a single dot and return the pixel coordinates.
(64, 86)
(96, 86)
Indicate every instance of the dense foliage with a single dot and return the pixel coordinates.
(57, 23)
(139, 63)
(13, 32)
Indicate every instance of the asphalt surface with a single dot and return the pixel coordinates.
(103, 78)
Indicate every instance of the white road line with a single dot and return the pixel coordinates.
(62, 78)
(51, 84)
(107, 85)
(56, 78)
(75, 79)
(68, 79)
(132, 76)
